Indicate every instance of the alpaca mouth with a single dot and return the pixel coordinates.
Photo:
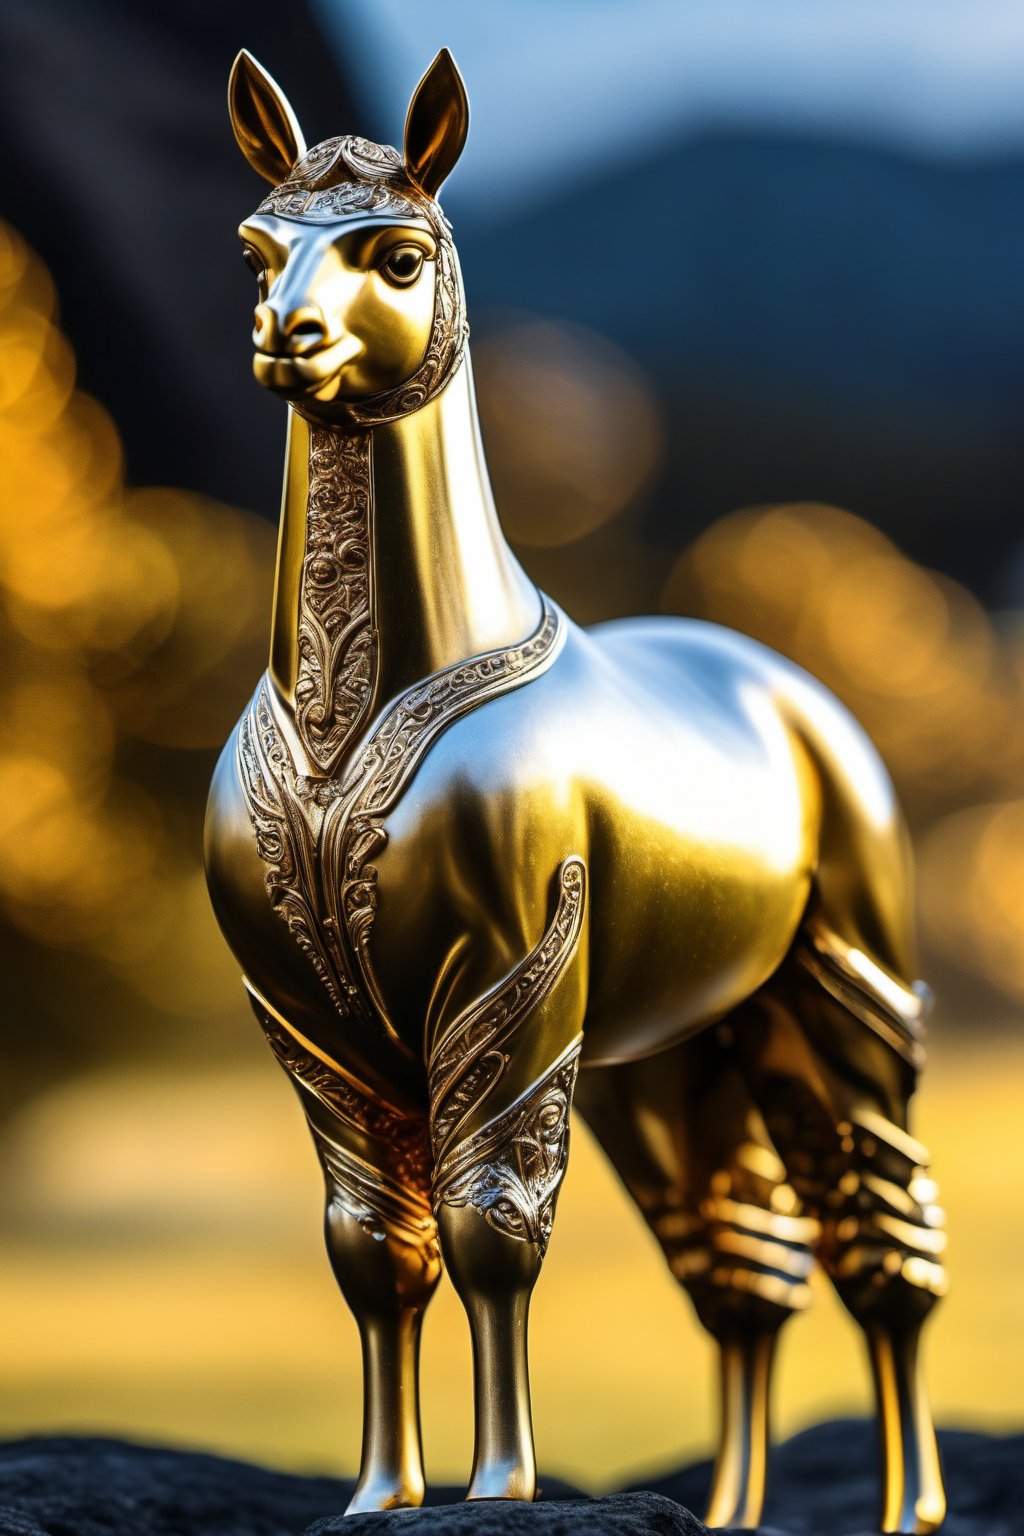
(298, 375)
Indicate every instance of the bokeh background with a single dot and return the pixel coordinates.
(747, 292)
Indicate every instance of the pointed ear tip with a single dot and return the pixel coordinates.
(243, 67)
(456, 70)
(445, 59)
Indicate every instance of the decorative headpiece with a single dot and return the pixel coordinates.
(352, 177)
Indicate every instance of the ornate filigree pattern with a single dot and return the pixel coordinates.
(510, 1170)
(353, 177)
(348, 197)
(343, 161)
(353, 831)
(336, 640)
(286, 819)
(468, 1062)
(285, 822)
(318, 836)
(390, 1196)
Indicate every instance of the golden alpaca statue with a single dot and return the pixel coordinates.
(462, 848)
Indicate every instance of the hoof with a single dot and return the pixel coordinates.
(503, 1481)
(383, 1494)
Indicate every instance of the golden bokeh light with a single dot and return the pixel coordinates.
(124, 617)
(911, 652)
(972, 882)
(572, 427)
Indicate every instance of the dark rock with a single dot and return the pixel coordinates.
(823, 1483)
(79, 1486)
(620, 1514)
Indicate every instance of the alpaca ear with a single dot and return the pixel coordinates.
(264, 124)
(437, 124)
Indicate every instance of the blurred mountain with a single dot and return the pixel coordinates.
(821, 320)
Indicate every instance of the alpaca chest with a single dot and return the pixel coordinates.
(287, 865)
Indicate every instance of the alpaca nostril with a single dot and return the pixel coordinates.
(304, 334)
(263, 325)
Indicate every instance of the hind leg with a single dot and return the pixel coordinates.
(690, 1146)
(382, 1243)
(835, 1093)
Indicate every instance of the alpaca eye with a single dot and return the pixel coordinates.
(402, 265)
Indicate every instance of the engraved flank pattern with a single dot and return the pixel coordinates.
(389, 1196)
(511, 1169)
(468, 1063)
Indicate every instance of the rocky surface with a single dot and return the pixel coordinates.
(619, 1514)
(823, 1484)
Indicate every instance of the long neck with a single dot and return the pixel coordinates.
(391, 565)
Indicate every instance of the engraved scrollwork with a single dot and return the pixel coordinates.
(339, 161)
(389, 1196)
(466, 1065)
(318, 836)
(353, 831)
(284, 821)
(346, 197)
(510, 1170)
(337, 643)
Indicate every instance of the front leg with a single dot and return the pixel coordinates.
(502, 1075)
(382, 1243)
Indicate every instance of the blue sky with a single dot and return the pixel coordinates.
(570, 84)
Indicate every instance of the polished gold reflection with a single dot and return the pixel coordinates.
(478, 863)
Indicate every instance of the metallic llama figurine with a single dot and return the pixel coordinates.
(462, 848)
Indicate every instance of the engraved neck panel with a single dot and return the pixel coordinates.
(337, 651)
